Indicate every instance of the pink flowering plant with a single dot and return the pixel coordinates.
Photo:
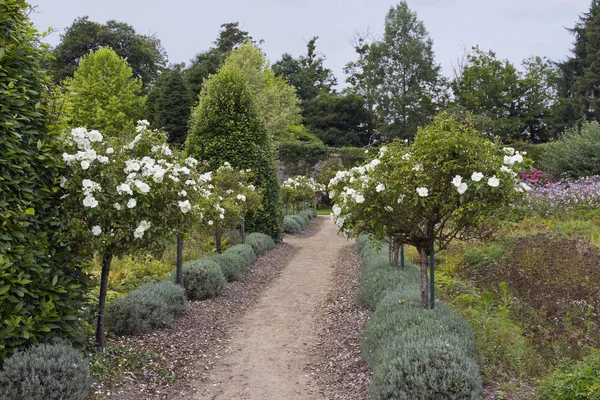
(128, 194)
(450, 183)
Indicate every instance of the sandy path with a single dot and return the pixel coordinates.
(271, 342)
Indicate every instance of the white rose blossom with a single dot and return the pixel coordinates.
(96, 230)
(423, 192)
(476, 176)
(131, 203)
(493, 181)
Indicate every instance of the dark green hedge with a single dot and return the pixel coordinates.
(42, 290)
(299, 158)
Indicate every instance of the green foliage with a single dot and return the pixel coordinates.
(245, 251)
(146, 308)
(579, 381)
(127, 273)
(351, 156)
(232, 264)
(329, 168)
(426, 368)
(169, 105)
(42, 286)
(46, 372)
(579, 79)
(515, 103)
(104, 95)
(144, 53)
(226, 127)
(291, 225)
(482, 257)
(339, 120)
(575, 154)
(275, 99)
(203, 279)
(260, 243)
(299, 158)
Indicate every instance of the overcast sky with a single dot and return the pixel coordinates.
(514, 29)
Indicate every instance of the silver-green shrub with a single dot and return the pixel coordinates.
(290, 225)
(46, 372)
(260, 242)
(203, 279)
(244, 250)
(232, 264)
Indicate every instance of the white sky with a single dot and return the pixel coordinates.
(514, 29)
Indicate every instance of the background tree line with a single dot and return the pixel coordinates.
(393, 86)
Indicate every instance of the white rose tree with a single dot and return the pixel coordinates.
(300, 191)
(452, 182)
(126, 195)
(232, 198)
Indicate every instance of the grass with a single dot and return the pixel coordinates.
(324, 211)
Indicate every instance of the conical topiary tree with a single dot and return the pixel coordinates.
(226, 127)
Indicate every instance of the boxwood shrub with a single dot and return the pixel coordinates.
(203, 279)
(46, 372)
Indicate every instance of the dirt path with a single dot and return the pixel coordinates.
(271, 342)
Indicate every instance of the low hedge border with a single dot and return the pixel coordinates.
(414, 353)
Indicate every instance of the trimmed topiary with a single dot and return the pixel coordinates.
(260, 243)
(203, 279)
(232, 264)
(290, 225)
(426, 369)
(46, 372)
(245, 251)
(146, 308)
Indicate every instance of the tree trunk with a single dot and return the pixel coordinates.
(179, 263)
(106, 260)
(218, 240)
(396, 251)
(424, 283)
(402, 255)
(243, 231)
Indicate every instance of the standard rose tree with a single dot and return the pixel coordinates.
(128, 194)
(451, 183)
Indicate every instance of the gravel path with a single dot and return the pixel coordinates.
(271, 344)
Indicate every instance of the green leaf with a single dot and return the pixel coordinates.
(30, 211)
(55, 280)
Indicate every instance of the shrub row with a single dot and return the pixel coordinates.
(155, 304)
(298, 222)
(414, 353)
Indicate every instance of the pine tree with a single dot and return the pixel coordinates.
(169, 106)
(579, 84)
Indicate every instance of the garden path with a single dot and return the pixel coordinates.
(271, 343)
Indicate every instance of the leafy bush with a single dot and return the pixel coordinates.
(312, 213)
(146, 308)
(260, 243)
(377, 277)
(405, 321)
(580, 381)
(128, 273)
(245, 251)
(426, 369)
(290, 225)
(576, 153)
(352, 156)
(361, 241)
(232, 264)
(482, 257)
(203, 279)
(40, 296)
(46, 372)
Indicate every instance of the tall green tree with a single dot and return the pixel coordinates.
(339, 120)
(579, 83)
(104, 95)
(275, 99)
(306, 73)
(411, 77)
(169, 105)
(144, 53)
(226, 126)
(208, 62)
(515, 102)
(42, 287)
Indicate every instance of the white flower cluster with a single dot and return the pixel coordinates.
(85, 154)
(141, 229)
